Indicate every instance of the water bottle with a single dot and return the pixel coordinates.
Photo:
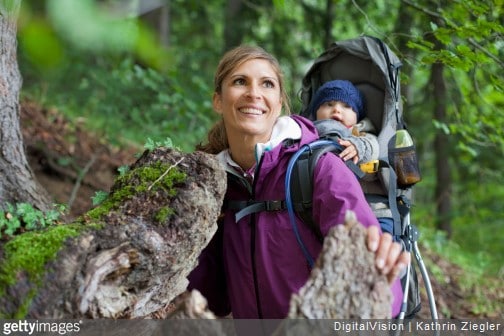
(405, 160)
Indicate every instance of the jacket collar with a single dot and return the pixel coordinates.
(294, 128)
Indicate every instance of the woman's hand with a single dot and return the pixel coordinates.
(389, 258)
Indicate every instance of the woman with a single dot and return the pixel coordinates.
(251, 267)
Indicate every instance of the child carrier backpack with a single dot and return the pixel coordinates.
(373, 68)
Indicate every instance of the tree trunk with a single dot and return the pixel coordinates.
(128, 257)
(233, 24)
(441, 143)
(18, 183)
(328, 24)
(403, 24)
(442, 151)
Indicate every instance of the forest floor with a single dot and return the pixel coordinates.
(72, 164)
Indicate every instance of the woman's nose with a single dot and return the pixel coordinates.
(253, 91)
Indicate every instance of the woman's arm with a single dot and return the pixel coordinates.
(336, 190)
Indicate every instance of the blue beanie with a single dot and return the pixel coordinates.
(341, 90)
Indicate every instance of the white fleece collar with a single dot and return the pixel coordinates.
(284, 128)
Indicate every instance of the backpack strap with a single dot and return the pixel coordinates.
(392, 200)
(249, 207)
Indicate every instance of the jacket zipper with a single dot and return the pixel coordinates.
(253, 225)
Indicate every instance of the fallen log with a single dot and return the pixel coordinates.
(126, 258)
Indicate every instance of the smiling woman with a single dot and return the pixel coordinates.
(254, 264)
(250, 103)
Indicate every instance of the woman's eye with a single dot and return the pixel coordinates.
(269, 84)
(239, 81)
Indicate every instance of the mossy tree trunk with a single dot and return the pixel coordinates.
(126, 258)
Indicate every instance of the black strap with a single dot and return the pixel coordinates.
(355, 169)
(249, 207)
(392, 199)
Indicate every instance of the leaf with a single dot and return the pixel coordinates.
(123, 170)
(441, 126)
(99, 197)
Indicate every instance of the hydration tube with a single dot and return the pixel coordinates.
(288, 198)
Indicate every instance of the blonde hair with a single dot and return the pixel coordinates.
(217, 138)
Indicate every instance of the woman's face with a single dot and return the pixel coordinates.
(250, 101)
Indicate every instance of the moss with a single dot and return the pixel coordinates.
(163, 214)
(30, 252)
(152, 178)
(145, 179)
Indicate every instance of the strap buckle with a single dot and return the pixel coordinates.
(274, 205)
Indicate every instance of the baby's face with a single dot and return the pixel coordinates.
(339, 111)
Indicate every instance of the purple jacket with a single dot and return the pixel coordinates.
(252, 267)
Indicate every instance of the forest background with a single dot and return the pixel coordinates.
(138, 73)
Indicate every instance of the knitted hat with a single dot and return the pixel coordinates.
(341, 90)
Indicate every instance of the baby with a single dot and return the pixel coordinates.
(341, 101)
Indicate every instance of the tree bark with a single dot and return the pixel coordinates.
(442, 151)
(441, 146)
(17, 183)
(128, 257)
(233, 25)
(328, 24)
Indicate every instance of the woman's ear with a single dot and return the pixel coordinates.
(217, 103)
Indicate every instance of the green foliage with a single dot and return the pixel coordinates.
(123, 170)
(99, 197)
(471, 37)
(151, 144)
(23, 216)
(163, 214)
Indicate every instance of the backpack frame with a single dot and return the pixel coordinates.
(374, 69)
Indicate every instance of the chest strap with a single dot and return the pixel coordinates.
(249, 207)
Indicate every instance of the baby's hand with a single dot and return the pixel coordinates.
(350, 152)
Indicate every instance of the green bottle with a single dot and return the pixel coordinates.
(405, 160)
(403, 139)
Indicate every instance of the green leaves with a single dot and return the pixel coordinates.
(23, 216)
(151, 144)
(99, 197)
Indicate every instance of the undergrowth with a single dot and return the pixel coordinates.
(480, 281)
